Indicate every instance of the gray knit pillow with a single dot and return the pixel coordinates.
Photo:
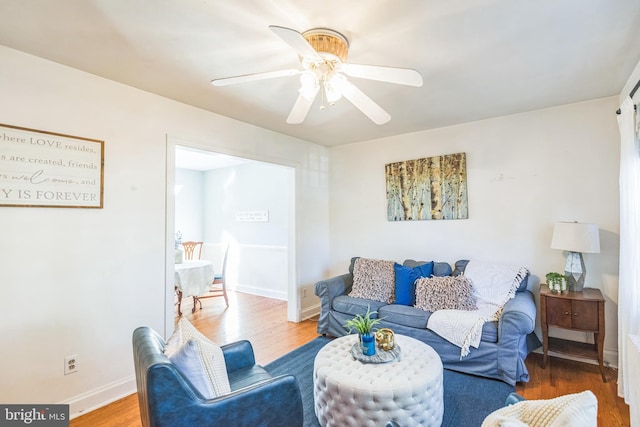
(373, 279)
(445, 293)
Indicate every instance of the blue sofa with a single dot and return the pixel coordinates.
(168, 399)
(504, 344)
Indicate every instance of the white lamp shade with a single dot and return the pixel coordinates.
(576, 237)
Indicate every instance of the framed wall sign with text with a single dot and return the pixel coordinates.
(46, 169)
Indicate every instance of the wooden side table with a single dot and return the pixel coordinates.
(577, 311)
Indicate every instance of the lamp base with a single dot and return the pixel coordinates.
(575, 272)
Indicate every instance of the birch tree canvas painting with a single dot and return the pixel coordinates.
(429, 188)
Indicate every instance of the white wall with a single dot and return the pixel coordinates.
(525, 172)
(189, 204)
(206, 208)
(258, 258)
(78, 281)
(247, 187)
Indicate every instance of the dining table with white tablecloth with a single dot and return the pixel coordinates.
(193, 278)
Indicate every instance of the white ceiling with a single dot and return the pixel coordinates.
(478, 58)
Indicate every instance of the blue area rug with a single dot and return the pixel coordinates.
(467, 399)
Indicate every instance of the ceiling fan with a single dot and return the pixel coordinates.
(323, 54)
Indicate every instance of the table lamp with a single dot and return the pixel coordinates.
(576, 238)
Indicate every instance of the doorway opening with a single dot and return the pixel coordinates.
(247, 204)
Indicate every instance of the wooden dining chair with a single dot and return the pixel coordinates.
(218, 286)
(191, 248)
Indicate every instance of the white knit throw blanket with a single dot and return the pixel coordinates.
(570, 410)
(493, 286)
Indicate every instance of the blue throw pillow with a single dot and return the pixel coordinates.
(405, 286)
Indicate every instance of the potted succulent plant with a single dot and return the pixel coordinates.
(364, 325)
(556, 282)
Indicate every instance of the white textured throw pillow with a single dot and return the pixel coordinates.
(174, 342)
(199, 359)
(188, 359)
(374, 279)
(571, 410)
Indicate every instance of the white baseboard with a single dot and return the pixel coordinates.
(611, 358)
(261, 292)
(101, 396)
(310, 312)
(305, 314)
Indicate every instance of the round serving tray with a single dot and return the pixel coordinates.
(381, 356)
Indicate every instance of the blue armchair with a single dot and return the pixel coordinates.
(168, 399)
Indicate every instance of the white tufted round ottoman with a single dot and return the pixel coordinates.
(351, 393)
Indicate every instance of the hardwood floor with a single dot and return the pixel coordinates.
(563, 376)
(263, 321)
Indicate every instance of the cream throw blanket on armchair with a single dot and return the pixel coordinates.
(493, 286)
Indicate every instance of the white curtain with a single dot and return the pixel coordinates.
(629, 287)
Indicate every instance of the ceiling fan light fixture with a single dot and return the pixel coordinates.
(331, 93)
(333, 84)
(309, 84)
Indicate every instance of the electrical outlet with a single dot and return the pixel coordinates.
(71, 364)
(304, 292)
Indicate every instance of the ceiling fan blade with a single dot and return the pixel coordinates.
(301, 108)
(296, 41)
(364, 103)
(253, 77)
(401, 76)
